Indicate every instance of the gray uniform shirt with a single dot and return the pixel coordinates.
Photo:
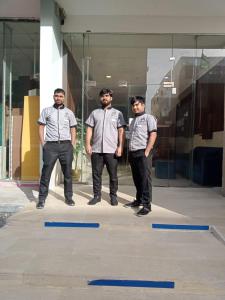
(140, 128)
(58, 123)
(105, 124)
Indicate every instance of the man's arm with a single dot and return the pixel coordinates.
(121, 136)
(73, 135)
(41, 134)
(89, 133)
(151, 142)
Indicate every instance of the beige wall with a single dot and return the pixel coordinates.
(216, 141)
(185, 145)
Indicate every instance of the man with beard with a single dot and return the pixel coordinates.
(104, 143)
(60, 124)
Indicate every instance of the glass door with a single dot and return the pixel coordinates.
(6, 102)
(171, 90)
(182, 79)
(19, 77)
(150, 66)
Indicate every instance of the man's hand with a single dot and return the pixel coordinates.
(147, 152)
(119, 151)
(41, 134)
(88, 149)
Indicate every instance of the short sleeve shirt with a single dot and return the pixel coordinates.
(58, 123)
(105, 124)
(140, 128)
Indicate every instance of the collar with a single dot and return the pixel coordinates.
(109, 107)
(139, 114)
(59, 107)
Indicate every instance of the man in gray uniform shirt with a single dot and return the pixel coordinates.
(143, 134)
(105, 127)
(60, 124)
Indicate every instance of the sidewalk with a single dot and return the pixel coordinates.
(37, 262)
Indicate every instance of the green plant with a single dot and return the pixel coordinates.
(79, 148)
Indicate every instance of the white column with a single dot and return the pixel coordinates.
(50, 60)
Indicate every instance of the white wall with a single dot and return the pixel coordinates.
(50, 53)
(50, 60)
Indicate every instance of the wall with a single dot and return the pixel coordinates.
(50, 61)
(30, 141)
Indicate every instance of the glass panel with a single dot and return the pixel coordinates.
(180, 76)
(73, 83)
(5, 108)
(1, 94)
(209, 111)
(136, 65)
(19, 78)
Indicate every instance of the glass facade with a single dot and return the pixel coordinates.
(19, 78)
(182, 78)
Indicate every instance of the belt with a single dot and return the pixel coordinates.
(59, 142)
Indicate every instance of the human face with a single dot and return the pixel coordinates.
(138, 107)
(106, 100)
(59, 98)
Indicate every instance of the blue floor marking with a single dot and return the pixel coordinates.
(133, 283)
(72, 224)
(180, 226)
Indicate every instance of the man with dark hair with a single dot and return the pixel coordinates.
(60, 124)
(105, 128)
(143, 134)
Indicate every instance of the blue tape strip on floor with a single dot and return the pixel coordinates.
(133, 283)
(72, 224)
(180, 226)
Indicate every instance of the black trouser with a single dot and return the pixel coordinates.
(141, 172)
(98, 160)
(51, 152)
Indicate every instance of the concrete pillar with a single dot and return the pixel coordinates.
(50, 60)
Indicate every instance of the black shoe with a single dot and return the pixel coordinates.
(70, 202)
(94, 200)
(144, 211)
(40, 204)
(114, 201)
(135, 203)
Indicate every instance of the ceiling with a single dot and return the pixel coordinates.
(125, 58)
(144, 16)
(144, 7)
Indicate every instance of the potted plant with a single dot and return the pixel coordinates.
(78, 150)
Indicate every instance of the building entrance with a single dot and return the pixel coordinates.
(182, 79)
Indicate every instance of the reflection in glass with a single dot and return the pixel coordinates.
(19, 77)
(182, 78)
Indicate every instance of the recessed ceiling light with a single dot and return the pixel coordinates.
(108, 76)
(122, 83)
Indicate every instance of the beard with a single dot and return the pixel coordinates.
(104, 103)
(58, 104)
